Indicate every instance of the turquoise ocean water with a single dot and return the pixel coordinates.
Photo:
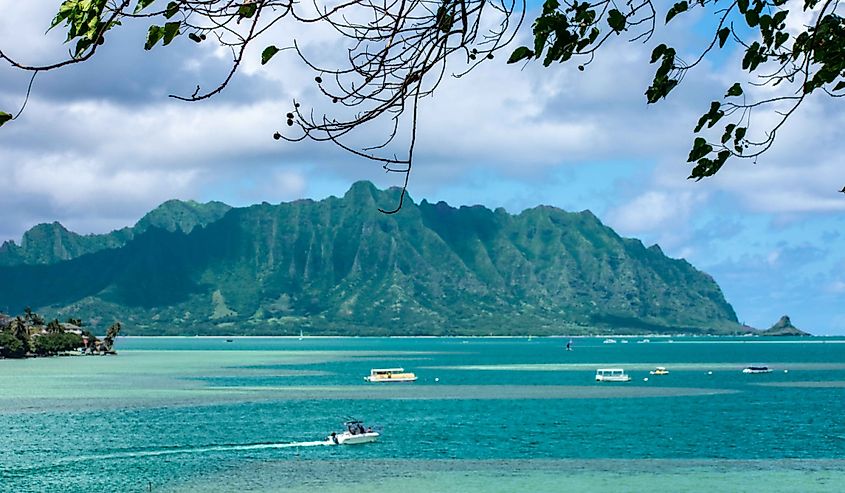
(204, 414)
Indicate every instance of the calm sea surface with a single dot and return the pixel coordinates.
(486, 415)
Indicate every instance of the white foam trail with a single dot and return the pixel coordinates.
(198, 450)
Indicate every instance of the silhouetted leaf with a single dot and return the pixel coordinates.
(4, 117)
(520, 53)
(700, 148)
(658, 52)
(728, 131)
(723, 35)
(752, 18)
(676, 9)
(268, 53)
(735, 90)
(616, 20)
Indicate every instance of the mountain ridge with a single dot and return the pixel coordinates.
(49, 243)
(338, 266)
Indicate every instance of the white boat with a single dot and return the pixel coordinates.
(609, 341)
(612, 375)
(757, 369)
(643, 341)
(624, 341)
(390, 375)
(660, 370)
(354, 434)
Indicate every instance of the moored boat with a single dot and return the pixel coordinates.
(612, 375)
(660, 370)
(390, 375)
(757, 369)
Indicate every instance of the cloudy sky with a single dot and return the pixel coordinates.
(100, 144)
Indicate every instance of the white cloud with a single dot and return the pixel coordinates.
(654, 210)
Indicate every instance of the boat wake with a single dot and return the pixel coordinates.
(202, 450)
(133, 454)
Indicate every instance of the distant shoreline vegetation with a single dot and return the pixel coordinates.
(28, 336)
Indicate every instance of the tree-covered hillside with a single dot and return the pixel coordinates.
(338, 266)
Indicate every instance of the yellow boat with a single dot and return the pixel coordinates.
(390, 375)
(659, 371)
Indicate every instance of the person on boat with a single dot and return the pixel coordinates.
(333, 437)
(361, 429)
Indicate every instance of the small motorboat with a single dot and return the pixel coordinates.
(757, 369)
(609, 341)
(355, 433)
(659, 371)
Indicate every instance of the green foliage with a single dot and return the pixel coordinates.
(813, 59)
(521, 53)
(11, 346)
(54, 327)
(165, 33)
(268, 53)
(85, 22)
(445, 17)
(142, 4)
(663, 82)
(564, 34)
(54, 343)
(171, 10)
(247, 10)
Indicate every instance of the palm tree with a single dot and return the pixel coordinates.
(20, 331)
(54, 327)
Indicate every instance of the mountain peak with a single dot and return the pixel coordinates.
(182, 215)
(784, 327)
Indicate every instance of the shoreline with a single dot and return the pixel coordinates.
(660, 338)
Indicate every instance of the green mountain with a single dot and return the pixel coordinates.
(783, 327)
(338, 266)
(52, 243)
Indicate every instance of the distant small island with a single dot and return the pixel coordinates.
(27, 336)
(783, 327)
